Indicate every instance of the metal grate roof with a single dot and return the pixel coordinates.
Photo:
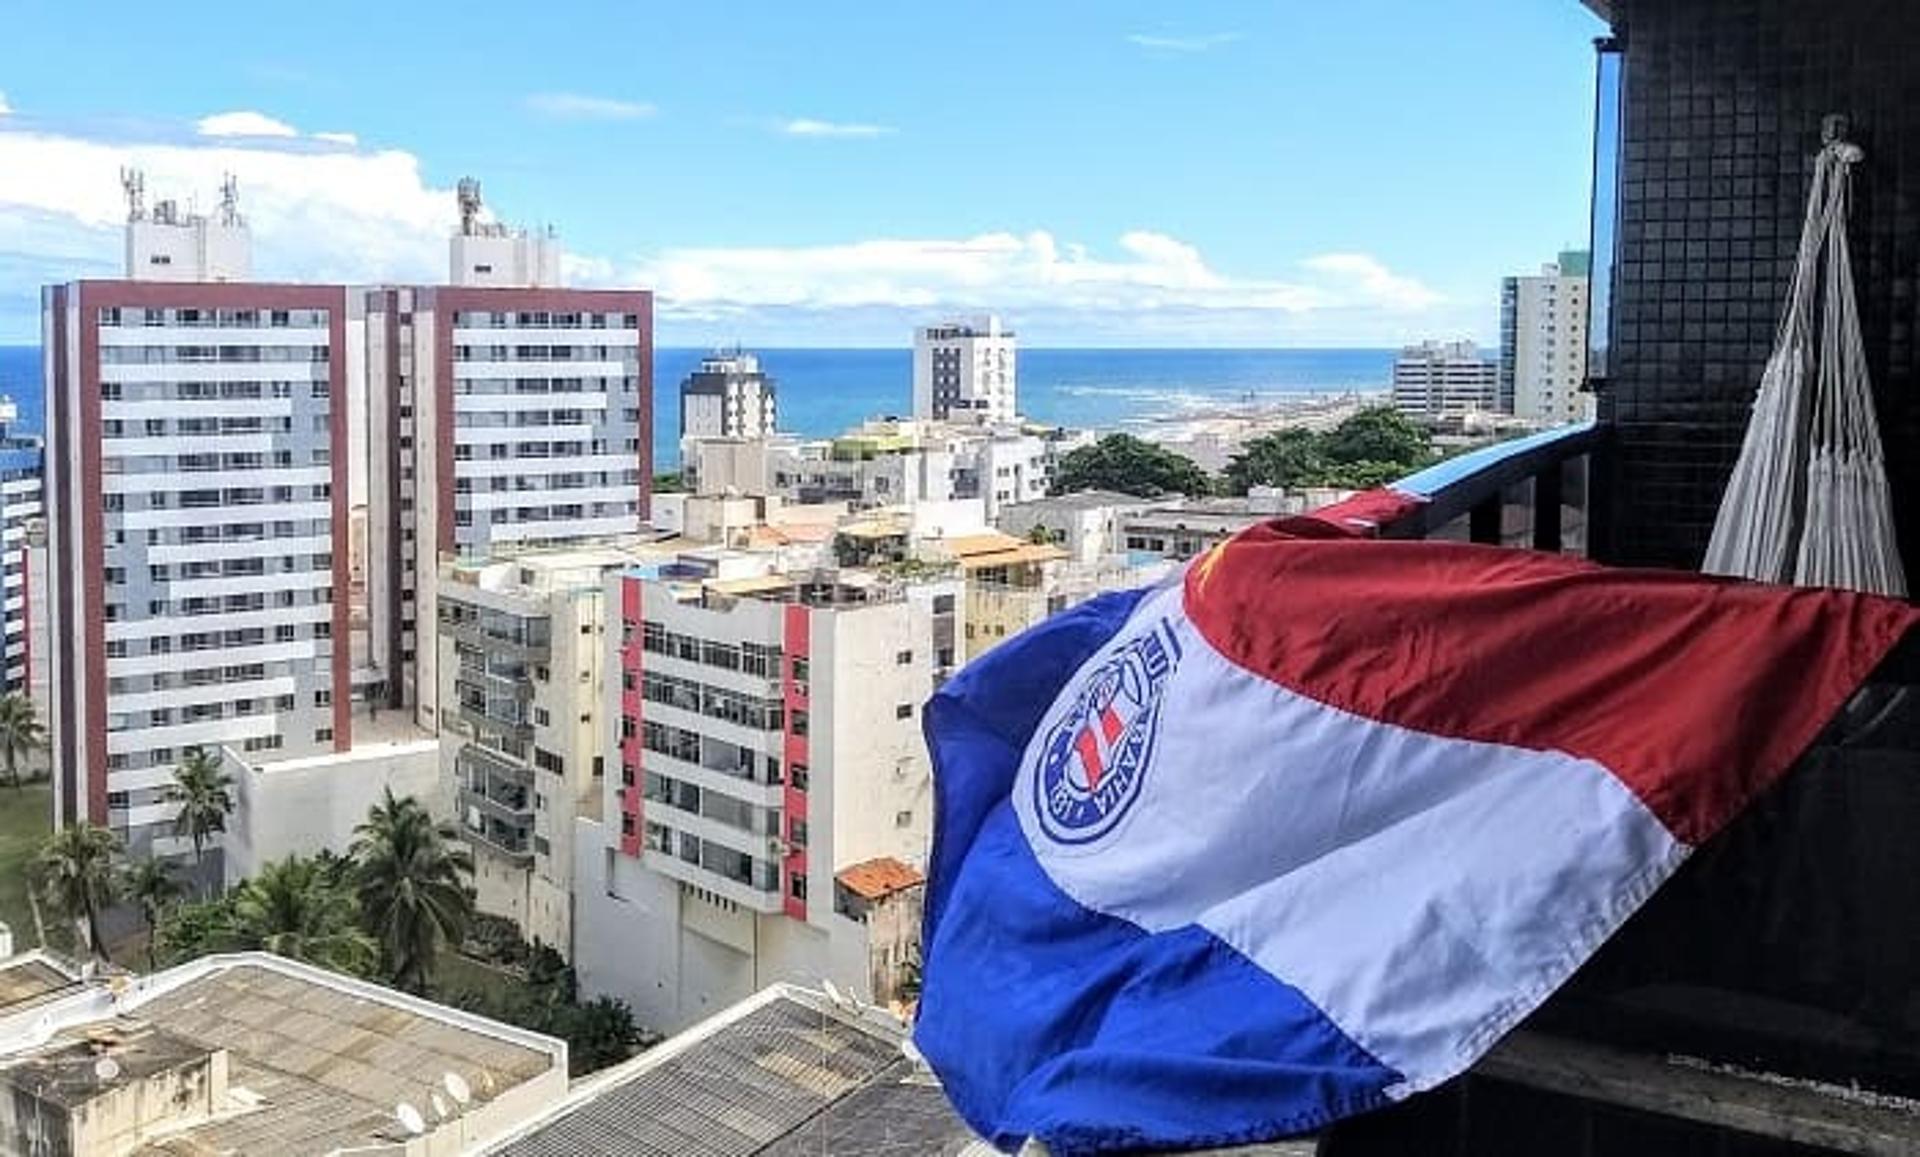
(737, 1093)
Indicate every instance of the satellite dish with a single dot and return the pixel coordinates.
(106, 1068)
(410, 1118)
(457, 1088)
(439, 1106)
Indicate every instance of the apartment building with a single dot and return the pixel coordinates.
(963, 370)
(889, 462)
(254, 482)
(524, 734)
(1443, 381)
(769, 738)
(729, 396)
(20, 512)
(1543, 343)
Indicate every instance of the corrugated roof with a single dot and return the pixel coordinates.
(880, 877)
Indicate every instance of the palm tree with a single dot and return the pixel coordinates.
(152, 884)
(413, 895)
(292, 908)
(204, 794)
(20, 733)
(75, 870)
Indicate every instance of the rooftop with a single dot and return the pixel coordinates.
(785, 1073)
(316, 1062)
(26, 980)
(879, 878)
(1089, 500)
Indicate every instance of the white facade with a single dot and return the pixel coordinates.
(729, 396)
(502, 259)
(1444, 380)
(770, 737)
(524, 736)
(1544, 344)
(21, 511)
(1087, 525)
(171, 247)
(964, 369)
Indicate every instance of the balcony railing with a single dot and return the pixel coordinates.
(1529, 491)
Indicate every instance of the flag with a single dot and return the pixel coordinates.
(1307, 829)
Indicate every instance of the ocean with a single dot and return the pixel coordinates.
(824, 391)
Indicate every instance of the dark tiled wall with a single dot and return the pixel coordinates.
(1724, 100)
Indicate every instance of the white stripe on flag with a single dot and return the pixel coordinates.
(1424, 892)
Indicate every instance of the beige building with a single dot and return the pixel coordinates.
(523, 736)
(255, 1053)
(769, 738)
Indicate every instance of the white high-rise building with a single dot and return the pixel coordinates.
(1543, 338)
(963, 370)
(252, 485)
(729, 396)
(20, 510)
(769, 740)
(1444, 380)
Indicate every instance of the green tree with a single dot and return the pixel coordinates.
(21, 733)
(74, 871)
(1290, 457)
(191, 931)
(673, 483)
(205, 795)
(1379, 434)
(1124, 463)
(296, 908)
(412, 888)
(152, 885)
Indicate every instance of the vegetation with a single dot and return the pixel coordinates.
(25, 821)
(75, 872)
(543, 996)
(410, 879)
(205, 795)
(151, 885)
(21, 734)
(673, 483)
(1124, 463)
(301, 908)
(1370, 448)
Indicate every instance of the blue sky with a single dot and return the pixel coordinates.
(826, 173)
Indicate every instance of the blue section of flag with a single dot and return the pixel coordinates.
(1098, 1036)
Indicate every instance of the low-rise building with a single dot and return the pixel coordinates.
(1445, 381)
(769, 737)
(255, 1053)
(1087, 523)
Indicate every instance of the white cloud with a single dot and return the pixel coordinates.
(1199, 43)
(340, 213)
(579, 106)
(808, 127)
(244, 123)
(348, 139)
(5, 108)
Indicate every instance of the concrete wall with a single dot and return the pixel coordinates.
(304, 806)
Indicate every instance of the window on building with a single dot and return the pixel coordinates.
(323, 735)
(903, 711)
(799, 722)
(797, 776)
(903, 658)
(798, 885)
(541, 717)
(903, 819)
(547, 761)
(797, 833)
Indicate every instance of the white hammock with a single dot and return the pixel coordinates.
(1808, 502)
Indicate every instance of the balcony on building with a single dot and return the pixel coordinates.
(1763, 1001)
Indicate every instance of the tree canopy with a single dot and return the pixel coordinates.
(1370, 448)
(1129, 465)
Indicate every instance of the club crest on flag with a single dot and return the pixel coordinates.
(1095, 757)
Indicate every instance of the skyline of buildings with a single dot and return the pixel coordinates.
(252, 483)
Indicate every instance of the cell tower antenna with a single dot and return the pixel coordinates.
(468, 192)
(134, 181)
(230, 200)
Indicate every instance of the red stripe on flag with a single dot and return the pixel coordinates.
(1110, 725)
(1089, 749)
(1696, 692)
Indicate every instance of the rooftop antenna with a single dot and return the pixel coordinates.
(410, 1118)
(457, 1088)
(468, 192)
(230, 200)
(134, 181)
